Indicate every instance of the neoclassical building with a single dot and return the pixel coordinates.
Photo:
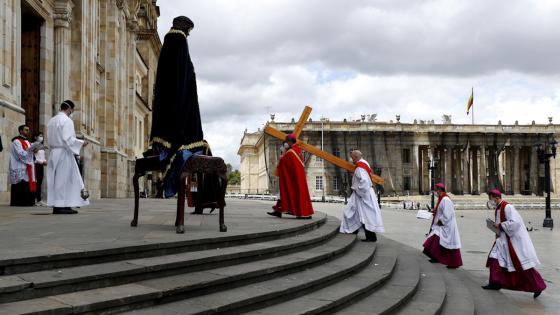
(103, 55)
(470, 158)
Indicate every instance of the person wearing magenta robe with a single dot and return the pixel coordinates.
(443, 244)
(512, 259)
(294, 194)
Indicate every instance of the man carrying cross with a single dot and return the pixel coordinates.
(294, 194)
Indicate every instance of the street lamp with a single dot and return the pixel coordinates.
(544, 158)
(432, 166)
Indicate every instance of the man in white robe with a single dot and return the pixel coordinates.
(443, 244)
(362, 209)
(64, 182)
(512, 259)
(22, 170)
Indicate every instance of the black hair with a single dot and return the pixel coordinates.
(21, 127)
(67, 104)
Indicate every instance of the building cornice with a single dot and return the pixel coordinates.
(11, 106)
(316, 126)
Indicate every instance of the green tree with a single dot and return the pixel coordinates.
(234, 178)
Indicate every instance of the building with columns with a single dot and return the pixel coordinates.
(470, 158)
(102, 54)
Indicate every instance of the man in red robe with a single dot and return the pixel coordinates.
(294, 194)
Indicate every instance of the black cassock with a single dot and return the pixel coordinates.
(176, 126)
(176, 115)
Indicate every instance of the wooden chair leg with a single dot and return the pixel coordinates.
(136, 186)
(222, 203)
(180, 218)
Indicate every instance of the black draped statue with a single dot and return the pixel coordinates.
(176, 115)
(176, 127)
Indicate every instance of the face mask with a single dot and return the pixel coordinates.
(491, 204)
(40, 139)
(286, 146)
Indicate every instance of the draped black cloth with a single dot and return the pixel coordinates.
(176, 115)
(176, 126)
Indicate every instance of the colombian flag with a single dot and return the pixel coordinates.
(470, 103)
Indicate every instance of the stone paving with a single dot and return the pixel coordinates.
(27, 232)
(403, 226)
(35, 231)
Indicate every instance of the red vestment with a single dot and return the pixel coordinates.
(294, 194)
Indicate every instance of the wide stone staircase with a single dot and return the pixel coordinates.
(308, 269)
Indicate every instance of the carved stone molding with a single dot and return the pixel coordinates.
(62, 13)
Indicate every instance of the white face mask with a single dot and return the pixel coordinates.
(491, 204)
(40, 139)
(286, 146)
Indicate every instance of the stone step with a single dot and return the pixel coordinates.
(50, 282)
(431, 293)
(254, 296)
(487, 302)
(393, 294)
(458, 299)
(338, 294)
(107, 252)
(149, 292)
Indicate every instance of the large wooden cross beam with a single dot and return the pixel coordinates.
(314, 150)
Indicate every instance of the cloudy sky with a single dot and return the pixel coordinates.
(416, 58)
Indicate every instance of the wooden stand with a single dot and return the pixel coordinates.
(195, 164)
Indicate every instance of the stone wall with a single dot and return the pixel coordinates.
(90, 52)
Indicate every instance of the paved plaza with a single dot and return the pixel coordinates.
(32, 232)
(404, 227)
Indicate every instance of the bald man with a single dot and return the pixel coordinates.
(362, 209)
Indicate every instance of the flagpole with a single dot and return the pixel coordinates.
(472, 106)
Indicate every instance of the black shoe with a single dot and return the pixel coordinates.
(369, 240)
(536, 294)
(491, 286)
(433, 261)
(275, 214)
(450, 267)
(303, 218)
(64, 211)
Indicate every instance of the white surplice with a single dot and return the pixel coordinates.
(362, 207)
(64, 182)
(448, 232)
(19, 160)
(522, 244)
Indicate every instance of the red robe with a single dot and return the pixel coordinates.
(294, 194)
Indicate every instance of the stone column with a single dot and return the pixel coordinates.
(448, 168)
(474, 173)
(534, 171)
(466, 172)
(415, 161)
(62, 19)
(516, 177)
(482, 178)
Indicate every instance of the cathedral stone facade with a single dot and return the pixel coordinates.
(470, 159)
(102, 54)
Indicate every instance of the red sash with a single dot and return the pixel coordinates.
(437, 206)
(30, 170)
(364, 166)
(512, 254)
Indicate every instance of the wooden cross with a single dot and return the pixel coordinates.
(316, 151)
